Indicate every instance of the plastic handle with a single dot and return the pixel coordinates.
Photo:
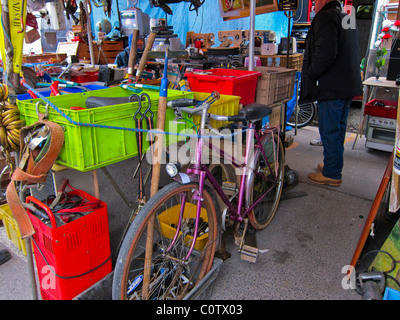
(45, 208)
(236, 118)
(182, 103)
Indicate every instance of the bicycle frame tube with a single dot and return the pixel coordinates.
(181, 211)
(198, 195)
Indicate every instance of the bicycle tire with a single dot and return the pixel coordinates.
(305, 115)
(261, 216)
(170, 276)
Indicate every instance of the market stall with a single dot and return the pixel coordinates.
(82, 113)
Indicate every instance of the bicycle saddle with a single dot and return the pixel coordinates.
(252, 112)
(93, 102)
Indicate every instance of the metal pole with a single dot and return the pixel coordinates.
(89, 30)
(251, 34)
(28, 246)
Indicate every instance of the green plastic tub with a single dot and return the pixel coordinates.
(87, 148)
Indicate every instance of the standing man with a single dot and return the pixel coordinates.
(331, 76)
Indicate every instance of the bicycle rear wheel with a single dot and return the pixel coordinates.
(305, 115)
(151, 265)
(269, 180)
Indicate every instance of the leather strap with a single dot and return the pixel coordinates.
(35, 172)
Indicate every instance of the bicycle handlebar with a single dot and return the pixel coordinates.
(250, 112)
(182, 103)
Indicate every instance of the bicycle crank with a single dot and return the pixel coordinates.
(248, 252)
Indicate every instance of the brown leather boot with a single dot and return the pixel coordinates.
(320, 179)
(320, 167)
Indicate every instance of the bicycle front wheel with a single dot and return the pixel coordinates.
(266, 181)
(153, 262)
(305, 115)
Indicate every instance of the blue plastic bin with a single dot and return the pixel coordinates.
(46, 93)
(391, 294)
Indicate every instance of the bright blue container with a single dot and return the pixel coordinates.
(46, 93)
(391, 294)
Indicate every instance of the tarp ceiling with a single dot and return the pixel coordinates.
(208, 19)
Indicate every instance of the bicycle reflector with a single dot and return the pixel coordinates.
(172, 169)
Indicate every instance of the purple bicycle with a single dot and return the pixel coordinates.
(171, 244)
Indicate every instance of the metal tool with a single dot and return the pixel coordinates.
(37, 137)
(60, 192)
(148, 115)
(372, 285)
(34, 140)
(138, 117)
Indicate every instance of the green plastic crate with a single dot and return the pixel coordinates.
(87, 148)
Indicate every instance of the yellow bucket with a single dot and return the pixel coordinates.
(170, 217)
(11, 227)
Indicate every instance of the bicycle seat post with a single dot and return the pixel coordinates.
(199, 146)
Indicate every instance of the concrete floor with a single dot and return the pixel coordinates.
(309, 241)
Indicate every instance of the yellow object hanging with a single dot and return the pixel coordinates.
(17, 16)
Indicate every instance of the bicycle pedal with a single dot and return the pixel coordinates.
(250, 254)
(229, 188)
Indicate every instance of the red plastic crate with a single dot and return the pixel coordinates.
(234, 82)
(71, 257)
(387, 111)
(88, 77)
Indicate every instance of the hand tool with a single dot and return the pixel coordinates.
(132, 53)
(143, 59)
(138, 117)
(68, 82)
(368, 226)
(155, 179)
(148, 115)
(130, 88)
(60, 192)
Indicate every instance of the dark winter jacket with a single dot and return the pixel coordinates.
(331, 66)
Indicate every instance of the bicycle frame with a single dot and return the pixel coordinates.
(201, 170)
(239, 213)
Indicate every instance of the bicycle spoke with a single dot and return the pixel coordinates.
(169, 274)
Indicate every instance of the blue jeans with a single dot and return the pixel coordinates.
(332, 120)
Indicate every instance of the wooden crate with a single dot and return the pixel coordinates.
(275, 116)
(275, 85)
(44, 57)
(295, 61)
(110, 49)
